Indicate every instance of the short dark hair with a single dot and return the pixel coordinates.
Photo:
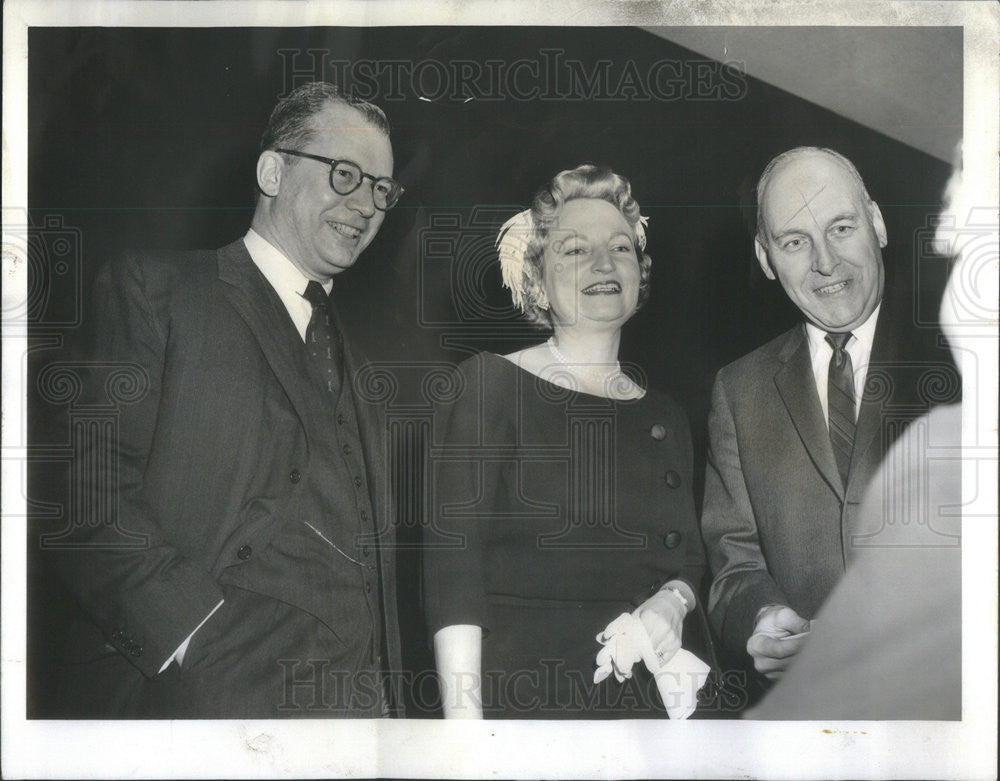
(289, 125)
(584, 181)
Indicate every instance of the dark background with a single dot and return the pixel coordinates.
(149, 137)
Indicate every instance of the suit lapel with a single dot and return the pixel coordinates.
(252, 297)
(877, 381)
(797, 388)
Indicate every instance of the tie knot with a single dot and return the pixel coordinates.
(315, 294)
(838, 341)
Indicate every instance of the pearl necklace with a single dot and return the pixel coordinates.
(591, 372)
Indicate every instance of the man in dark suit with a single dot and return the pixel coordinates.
(888, 640)
(239, 558)
(799, 426)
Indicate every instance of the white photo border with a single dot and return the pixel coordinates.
(388, 748)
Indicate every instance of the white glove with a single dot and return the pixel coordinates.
(625, 641)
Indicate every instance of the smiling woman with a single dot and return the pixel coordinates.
(574, 495)
(576, 264)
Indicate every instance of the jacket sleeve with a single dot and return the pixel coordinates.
(741, 583)
(454, 564)
(139, 589)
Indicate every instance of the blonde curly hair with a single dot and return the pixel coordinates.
(584, 181)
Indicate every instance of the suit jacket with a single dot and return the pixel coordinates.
(779, 525)
(900, 655)
(211, 444)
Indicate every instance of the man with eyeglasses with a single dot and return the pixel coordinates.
(252, 470)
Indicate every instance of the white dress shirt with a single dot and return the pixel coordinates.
(286, 279)
(859, 348)
(290, 285)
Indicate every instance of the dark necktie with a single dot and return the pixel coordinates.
(840, 400)
(322, 343)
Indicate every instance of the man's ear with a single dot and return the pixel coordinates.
(878, 223)
(270, 167)
(762, 258)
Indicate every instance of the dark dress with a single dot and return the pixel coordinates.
(553, 512)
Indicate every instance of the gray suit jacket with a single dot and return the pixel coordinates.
(207, 454)
(779, 525)
(900, 655)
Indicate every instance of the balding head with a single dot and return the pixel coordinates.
(797, 153)
(820, 234)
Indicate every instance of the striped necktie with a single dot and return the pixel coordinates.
(322, 342)
(840, 398)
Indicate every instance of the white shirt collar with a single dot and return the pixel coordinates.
(864, 334)
(276, 266)
(284, 276)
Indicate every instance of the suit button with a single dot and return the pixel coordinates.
(672, 540)
(244, 553)
(295, 475)
(347, 450)
(368, 587)
(657, 432)
(340, 418)
(672, 478)
(364, 516)
(357, 482)
(366, 551)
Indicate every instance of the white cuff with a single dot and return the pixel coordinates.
(182, 648)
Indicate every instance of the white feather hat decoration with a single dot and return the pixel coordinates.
(512, 246)
(640, 232)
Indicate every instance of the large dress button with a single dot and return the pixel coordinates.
(672, 478)
(295, 475)
(657, 432)
(244, 553)
(672, 540)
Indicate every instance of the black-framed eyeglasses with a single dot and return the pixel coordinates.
(346, 177)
